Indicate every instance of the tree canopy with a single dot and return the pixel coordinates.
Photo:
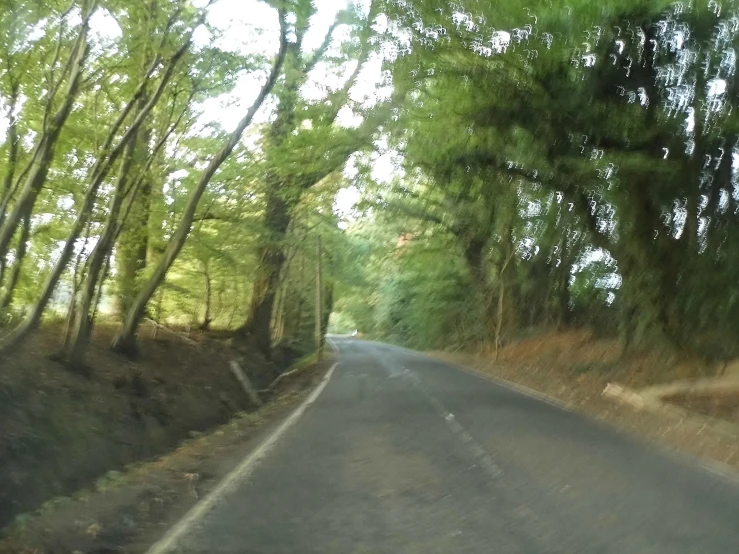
(561, 164)
(520, 165)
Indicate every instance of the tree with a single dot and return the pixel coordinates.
(112, 148)
(546, 154)
(291, 165)
(125, 340)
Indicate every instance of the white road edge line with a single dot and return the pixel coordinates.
(235, 477)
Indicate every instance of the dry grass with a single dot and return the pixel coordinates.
(717, 404)
(578, 351)
(574, 367)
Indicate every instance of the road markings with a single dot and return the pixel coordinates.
(235, 478)
(713, 467)
(484, 458)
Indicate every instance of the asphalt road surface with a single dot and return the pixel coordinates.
(402, 454)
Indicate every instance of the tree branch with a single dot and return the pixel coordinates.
(321, 50)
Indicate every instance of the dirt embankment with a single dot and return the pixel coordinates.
(719, 404)
(575, 367)
(60, 431)
(127, 511)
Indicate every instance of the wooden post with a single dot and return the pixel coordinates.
(249, 389)
(319, 304)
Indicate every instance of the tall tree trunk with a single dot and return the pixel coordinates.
(78, 270)
(135, 239)
(13, 144)
(207, 318)
(125, 340)
(75, 348)
(99, 172)
(297, 326)
(271, 260)
(237, 302)
(563, 273)
(43, 154)
(318, 335)
(328, 307)
(474, 255)
(15, 273)
(279, 319)
(272, 256)
(133, 242)
(508, 253)
(100, 289)
(647, 275)
(277, 212)
(296, 322)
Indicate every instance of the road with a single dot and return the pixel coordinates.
(402, 454)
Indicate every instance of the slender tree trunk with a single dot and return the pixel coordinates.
(205, 326)
(474, 255)
(319, 301)
(236, 304)
(133, 243)
(77, 276)
(13, 143)
(295, 328)
(499, 318)
(564, 281)
(298, 323)
(125, 340)
(99, 292)
(328, 307)
(283, 292)
(15, 273)
(508, 252)
(279, 313)
(104, 163)
(279, 331)
(76, 347)
(43, 154)
(158, 315)
(690, 231)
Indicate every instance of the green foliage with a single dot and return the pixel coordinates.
(575, 168)
(566, 163)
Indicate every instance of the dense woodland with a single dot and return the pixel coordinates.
(545, 164)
